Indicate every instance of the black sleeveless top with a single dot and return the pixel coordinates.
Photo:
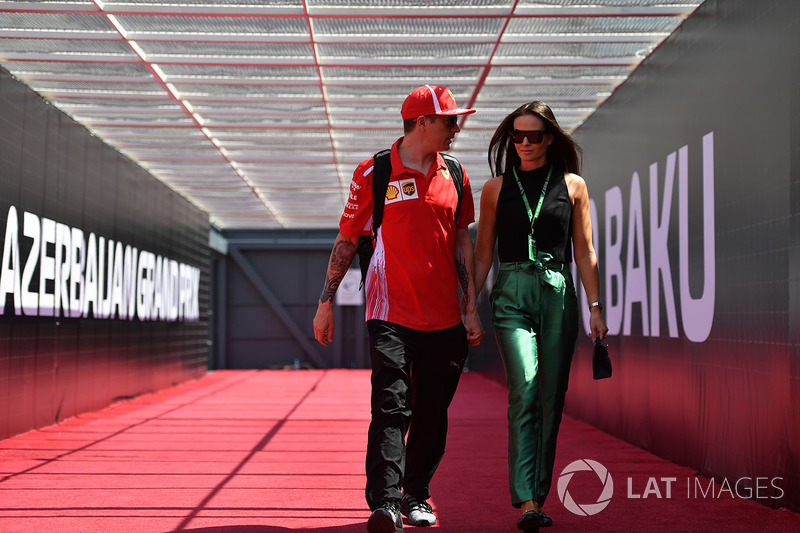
(553, 228)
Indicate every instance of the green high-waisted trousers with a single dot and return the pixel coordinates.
(535, 318)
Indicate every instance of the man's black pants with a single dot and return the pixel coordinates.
(414, 377)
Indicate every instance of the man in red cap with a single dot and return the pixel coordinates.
(418, 341)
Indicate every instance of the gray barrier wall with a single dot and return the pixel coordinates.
(692, 167)
(104, 274)
(268, 283)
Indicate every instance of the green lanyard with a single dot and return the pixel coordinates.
(533, 216)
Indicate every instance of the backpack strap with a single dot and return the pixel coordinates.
(457, 174)
(381, 172)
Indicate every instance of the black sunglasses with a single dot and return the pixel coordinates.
(533, 136)
(452, 120)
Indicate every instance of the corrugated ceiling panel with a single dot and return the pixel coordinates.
(421, 28)
(410, 75)
(56, 22)
(524, 92)
(54, 69)
(239, 74)
(178, 4)
(575, 51)
(605, 3)
(141, 89)
(276, 93)
(224, 52)
(409, 4)
(391, 95)
(214, 25)
(256, 110)
(558, 72)
(592, 25)
(410, 52)
(63, 47)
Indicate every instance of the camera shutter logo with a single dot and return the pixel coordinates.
(587, 509)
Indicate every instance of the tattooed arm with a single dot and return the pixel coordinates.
(464, 266)
(344, 248)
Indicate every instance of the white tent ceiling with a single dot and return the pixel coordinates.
(258, 111)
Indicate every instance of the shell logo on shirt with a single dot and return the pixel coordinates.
(392, 193)
(404, 190)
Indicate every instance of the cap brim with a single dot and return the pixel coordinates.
(456, 112)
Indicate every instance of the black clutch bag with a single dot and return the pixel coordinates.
(601, 363)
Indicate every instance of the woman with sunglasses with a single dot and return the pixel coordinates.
(537, 209)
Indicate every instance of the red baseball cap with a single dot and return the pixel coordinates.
(431, 100)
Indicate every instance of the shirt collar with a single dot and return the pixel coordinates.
(397, 163)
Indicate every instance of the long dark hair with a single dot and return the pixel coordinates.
(563, 152)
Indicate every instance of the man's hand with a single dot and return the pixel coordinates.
(475, 332)
(344, 248)
(324, 323)
(469, 311)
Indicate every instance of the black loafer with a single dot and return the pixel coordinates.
(544, 520)
(529, 522)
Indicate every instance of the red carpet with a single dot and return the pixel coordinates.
(272, 451)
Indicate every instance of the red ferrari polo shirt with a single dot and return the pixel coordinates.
(412, 279)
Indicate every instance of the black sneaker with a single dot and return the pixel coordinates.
(419, 512)
(385, 519)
